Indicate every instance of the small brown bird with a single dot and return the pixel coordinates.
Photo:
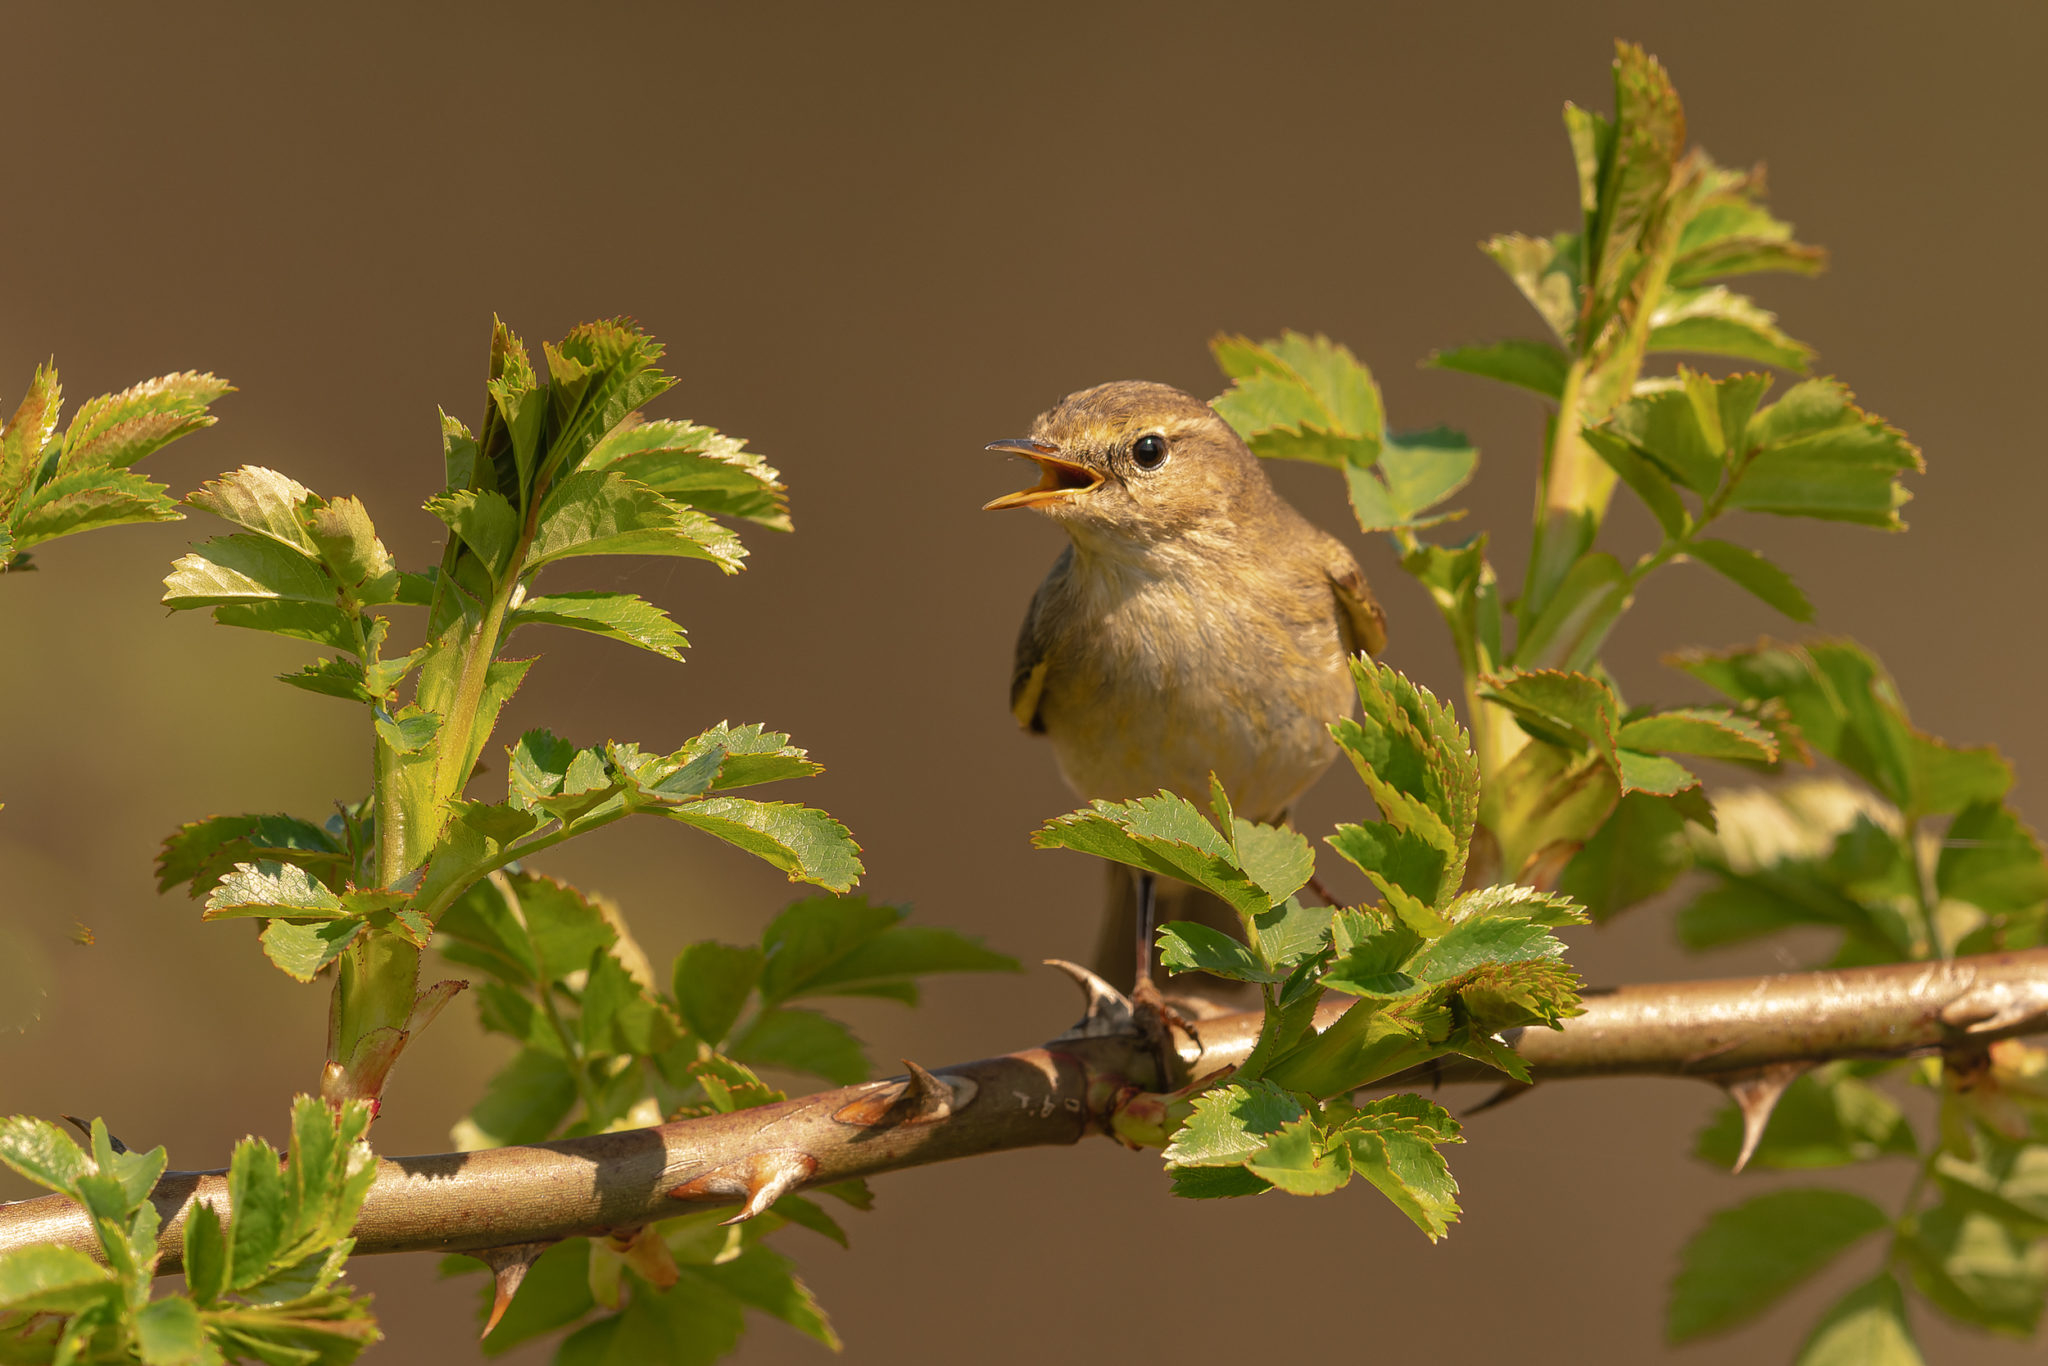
(1196, 624)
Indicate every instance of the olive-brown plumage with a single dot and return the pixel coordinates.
(1196, 623)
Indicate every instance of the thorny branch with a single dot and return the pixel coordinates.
(1750, 1035)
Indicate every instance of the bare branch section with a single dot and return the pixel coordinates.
(1716, 1031)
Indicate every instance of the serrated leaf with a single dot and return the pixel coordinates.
(168, 1332)
(322, 623)
(1749, 1256)
(269, 888)
(48, 1278)
(485, 520)
(1573, 625)
(698, 466)
(1185, 946)
(1230, 1124)
(1991, 860)
(1392, 1143)
(1649, 481)
(712, 982)
(1290, 932)
(1294, 1160)
(808, 845)
(260, 500)
(600, 512)
(1215, 1183)
(87, 500)
(1638, 852)
(1866, 1327)
(300, 951)
(1819, 455)
(1414, 473)
(1371, 956)
(618, 616)
(1533, 365)
(763, 1279)
(752, 754)
(802, 1041)
(1546, 270)
(409, 731)
(245, 568)
(1755, 573)
(120, 429)
(45, 1154)
(1710, 732)
(1164, 834)
(1979, 1270)
(1415, 760)
(1717, 321)
(525, 1102)
(335, 677)
(348, 546)
(201, 852)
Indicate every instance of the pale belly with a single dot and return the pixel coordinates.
(1158, 687)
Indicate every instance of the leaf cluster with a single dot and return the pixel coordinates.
(262, 1285)
(605, 1045)
(1434, 970)
(55, 485)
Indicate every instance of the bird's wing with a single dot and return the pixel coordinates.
(1359, 618)
(1027, 677)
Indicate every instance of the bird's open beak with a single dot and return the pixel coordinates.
(1057, 478)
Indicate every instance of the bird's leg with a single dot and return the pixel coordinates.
(1151, 1012)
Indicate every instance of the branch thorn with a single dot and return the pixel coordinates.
(508, 1266)
(1109, 1010)
(85, 1127)
(1756, 1094)
(759, 1178)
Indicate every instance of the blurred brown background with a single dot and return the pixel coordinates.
(874, 241)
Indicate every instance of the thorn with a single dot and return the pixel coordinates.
(760, 1179)
(428, 1003)
(508, 1266)
(1756, 1094)
(919, 1098)
(85, 1127)
(1109, 1010)
(1508, 1091)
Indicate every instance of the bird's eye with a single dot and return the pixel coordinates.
(1149, 451)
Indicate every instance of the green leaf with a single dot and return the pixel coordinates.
(1821, 456)
(1414, 473)
(1415, 760)
(348, 545)
(763, 1279)
(1405, 858)
(619, 1014)
(409, 731)
(1653, 773)
(337, 677)
(1649, 480)
(1978, 1269)
(1710, 732)
(1165, 834)
(300, 951)
(752, 754)
(808, 845)
(698, 466)
(1638, 852)
(1371, 956)
(206, 1265)
(599, 512)
(257, 1227)
(802, 1041)
(45, 1154)
(321, 623)
(1295, 1161)
(1231, 1124)
(564, 926)
(46, 1278)
(1719, 322)
(1573, 625)
(1290, 932)
(1185, 946)
(168, 1332)
(1828, 1121)
(120, 429)
(259, 500)
(485, 520)
(524, 1103)
(1533, 365)
(618, 616)
(1546, 270)
(1391, 1142)
(1562, 708)
(201, 852)
(87, 500)
(269, 888)
(712, 982)
(1866, 1327)
(1749, 1256)
(240, 569)
(1215, 1183)
(1991, 860)
(1755, 573)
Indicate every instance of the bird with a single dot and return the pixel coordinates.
(1195, 624)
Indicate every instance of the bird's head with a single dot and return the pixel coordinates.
(1137, 461)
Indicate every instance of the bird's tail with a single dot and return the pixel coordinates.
(1115, 948)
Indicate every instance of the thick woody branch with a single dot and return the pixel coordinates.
(1716, 1031)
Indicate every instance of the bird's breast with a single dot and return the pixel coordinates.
(1158, 675)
